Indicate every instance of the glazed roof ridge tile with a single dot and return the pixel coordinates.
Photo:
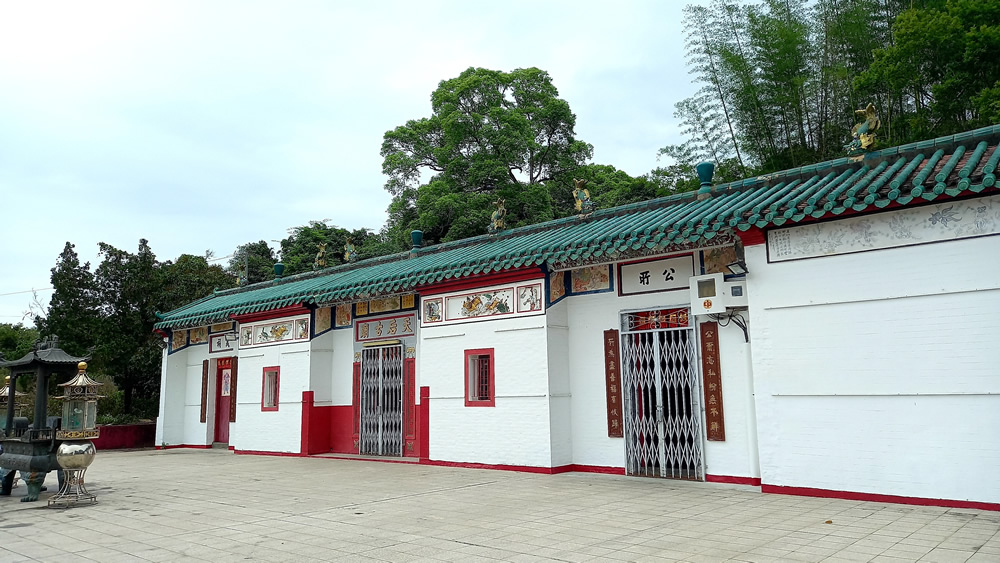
(960, 164)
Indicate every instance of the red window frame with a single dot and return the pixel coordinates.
(472, 379)
(263, 388)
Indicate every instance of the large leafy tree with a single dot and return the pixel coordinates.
(491, 135)
(942, 66)
(299, 249)
(16, 340)
(72, 313)
(255, 260)
(130, 290)
(110, 313)
(190, 277)
(781, 78)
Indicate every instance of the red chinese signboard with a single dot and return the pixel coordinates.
(715, 423)
(613, 380)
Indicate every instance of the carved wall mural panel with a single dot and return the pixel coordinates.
(931, 223)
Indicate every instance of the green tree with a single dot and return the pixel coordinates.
(255, 260)
(942, 66)
(609, 187)
(73, 309)
(490, 135)
(130, 291)
(190, 277)
(781, 78)
(298, 250)
(16, 340)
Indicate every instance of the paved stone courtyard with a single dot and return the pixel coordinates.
(211, 505)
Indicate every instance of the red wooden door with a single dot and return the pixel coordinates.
(224, 380)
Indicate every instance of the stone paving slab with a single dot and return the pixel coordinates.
(212, 505)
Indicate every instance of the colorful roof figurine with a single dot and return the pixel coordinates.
(913, 174)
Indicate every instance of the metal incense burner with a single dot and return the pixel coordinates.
(35, 450)
(79, 425)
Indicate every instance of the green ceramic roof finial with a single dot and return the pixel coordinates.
(863, 134)
(581, 197)
(705, 171)
(497, 219)
(350, 252)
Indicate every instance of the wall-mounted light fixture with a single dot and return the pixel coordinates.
(738, 268)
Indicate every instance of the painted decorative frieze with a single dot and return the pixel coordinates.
(433, 310)
(481, 304)
(516, 299)
(343, 315)
(178, 339)
(198, 335)
(302, 329)
(388, 304)
(529, 298)
(557, 286)
(383, 305)
(246, 336)
(591, 279)
(716, 259)
(274, 332)
(652, 276)
(221, 327)
(385, 328)
(945, 221)
(323, 319)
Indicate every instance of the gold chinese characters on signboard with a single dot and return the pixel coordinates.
(613, 383)
(715, 422)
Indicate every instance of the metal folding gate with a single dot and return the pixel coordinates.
(382, 401)
(661, 409)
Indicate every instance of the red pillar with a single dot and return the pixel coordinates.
(425, 423)
(307, 406)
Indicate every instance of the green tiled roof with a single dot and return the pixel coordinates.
(906, 175)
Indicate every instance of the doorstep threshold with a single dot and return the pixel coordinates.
(361, 457)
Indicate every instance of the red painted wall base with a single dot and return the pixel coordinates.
(529, 468)
(733, 480)
(258, 452)
(122, 436)
(192, 446)
(873, 497)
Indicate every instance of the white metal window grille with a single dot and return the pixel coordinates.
(479, 372)
(661, 409)
(270, 389)
(382, 401)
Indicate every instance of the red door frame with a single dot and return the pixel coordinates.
(222, 401)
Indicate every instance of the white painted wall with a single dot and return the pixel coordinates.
(195, 431)
(321, 372)
(342, 385)
(560, 390)
(173, 391)
(878, 372)
(737, 456)
(271, 431)
(516, 430)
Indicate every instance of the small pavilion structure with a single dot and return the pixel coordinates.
(31, 449)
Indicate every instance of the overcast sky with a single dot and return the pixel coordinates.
(205, 125)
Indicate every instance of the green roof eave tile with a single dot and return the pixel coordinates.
(789, 196)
